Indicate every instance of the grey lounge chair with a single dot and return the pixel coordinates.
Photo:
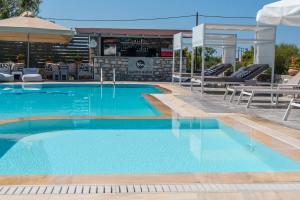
(251, 92)
(292, 104)
(85, 70)
(240, 77)
(293, 83)
(5, 70)
(31, 75)
(215, 70)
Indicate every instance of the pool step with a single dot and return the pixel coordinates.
(159, 188)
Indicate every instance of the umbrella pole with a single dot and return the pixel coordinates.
(28, 49)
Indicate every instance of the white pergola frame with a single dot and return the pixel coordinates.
(208, 35)
(179, 45)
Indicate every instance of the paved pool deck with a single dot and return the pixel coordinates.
(260, 108)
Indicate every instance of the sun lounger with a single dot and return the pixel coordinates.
(212, 71)
(293, 83)
(251, 92)
(5, 76)
(217, 69)
(292, 104)
(31, 75)
(185, 77)
(240, 77)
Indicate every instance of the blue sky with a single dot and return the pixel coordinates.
(127, 9)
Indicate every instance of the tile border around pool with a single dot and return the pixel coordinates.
(165, 110)
(225, 178)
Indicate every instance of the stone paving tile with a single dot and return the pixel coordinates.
(215, 104)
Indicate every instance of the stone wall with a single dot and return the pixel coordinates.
(162, 69)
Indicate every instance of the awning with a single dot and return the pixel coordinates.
(285, 12)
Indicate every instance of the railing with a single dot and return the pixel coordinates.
(101, 75)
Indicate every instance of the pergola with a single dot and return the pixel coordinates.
(227, 36)
(179, 44)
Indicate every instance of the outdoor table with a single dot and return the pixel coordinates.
(17, 75)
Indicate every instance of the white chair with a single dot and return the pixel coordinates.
(64, 72)
(251, 92)
(85, 70)
(293, 83)
(292, 104)
(31, 75)
(5, 76)
(52, 70)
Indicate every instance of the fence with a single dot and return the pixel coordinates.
(40, 52)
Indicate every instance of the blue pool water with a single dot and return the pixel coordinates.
(133, 147)
(75, 100)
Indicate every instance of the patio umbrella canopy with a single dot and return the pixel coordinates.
(285, 12)
(28, 28)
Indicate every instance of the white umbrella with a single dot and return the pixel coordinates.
(28, 28)
(285, 12)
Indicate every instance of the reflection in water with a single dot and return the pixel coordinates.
(120, 146)
(195, 146)
(176, 128)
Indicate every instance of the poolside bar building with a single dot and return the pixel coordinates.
(134, 54)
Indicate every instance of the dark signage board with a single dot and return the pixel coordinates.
(140, 66)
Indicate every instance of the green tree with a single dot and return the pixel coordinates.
(284, 53)
(11, 8)
(210, 58)
(248, 57)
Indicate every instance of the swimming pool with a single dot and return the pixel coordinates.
(76, 100)
(120, 146)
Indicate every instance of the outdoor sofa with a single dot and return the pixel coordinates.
(31, 75)
(5, 70)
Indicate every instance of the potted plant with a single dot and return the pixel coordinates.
(49, 59)
(20, 58)
(295, 66)
(78, 59)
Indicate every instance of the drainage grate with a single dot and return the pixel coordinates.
(159, 188)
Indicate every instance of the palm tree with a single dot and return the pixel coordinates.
(28, 5)
(11, 8)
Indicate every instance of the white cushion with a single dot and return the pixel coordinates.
(6, 77)
(32, 78)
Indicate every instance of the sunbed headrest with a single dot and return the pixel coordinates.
(255, 70)
(239, 73)
(216, 68)
(251, 71)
